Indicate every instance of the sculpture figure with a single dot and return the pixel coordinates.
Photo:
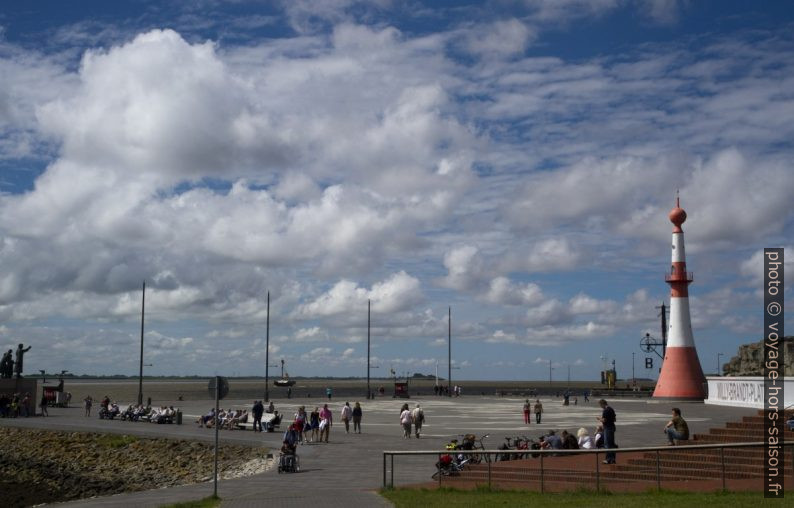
(20, 354)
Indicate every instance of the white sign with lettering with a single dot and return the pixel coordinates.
(746, 391)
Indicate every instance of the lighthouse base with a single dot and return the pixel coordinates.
(681, 377)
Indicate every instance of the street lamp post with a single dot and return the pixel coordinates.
(633, 378)
(449, 352)
(719, 371)
(267, 351)
(369, 306)
(140, 370)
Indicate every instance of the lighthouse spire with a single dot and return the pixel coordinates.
(681, 376)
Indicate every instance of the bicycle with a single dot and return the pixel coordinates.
(517, 443)
(448, 466)
(470, 442)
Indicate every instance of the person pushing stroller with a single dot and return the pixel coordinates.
(288, 458)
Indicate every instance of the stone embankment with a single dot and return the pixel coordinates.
(46, 466)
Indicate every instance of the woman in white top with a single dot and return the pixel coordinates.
(585, 441)
(405, 421)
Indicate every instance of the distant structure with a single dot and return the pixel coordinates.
(681, 377)
(749, 361)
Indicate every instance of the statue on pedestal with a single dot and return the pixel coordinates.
(7, 365)
(20, 354)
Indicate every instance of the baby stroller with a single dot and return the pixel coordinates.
(288, 463)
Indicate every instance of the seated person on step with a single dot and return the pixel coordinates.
(676, 429)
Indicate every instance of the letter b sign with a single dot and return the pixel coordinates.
(648, 362)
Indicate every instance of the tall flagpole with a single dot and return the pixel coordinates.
(140, 370)
(267, 352)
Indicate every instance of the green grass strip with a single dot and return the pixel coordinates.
(485, 498)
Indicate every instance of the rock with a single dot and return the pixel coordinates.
(72, 465)
(749, 360)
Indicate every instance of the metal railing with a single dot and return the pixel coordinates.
(388, 458)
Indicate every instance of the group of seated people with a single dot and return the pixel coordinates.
(229, 419)
(567, 441)
(139, 412)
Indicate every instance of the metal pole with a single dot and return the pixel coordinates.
(217, 390)
(489, 473)
(633, 377)
(541, 473)
(267, 352)
(392, 470)
(384, 470)
(658, 472)
(369, 319)
(449, 352)
(719, 371)
(140, 371)
(598, 473)
(664, 331)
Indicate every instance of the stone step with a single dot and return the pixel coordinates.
(748, 434)
(756, 460)
(678, 466)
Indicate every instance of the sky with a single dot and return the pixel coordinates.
(513, 161)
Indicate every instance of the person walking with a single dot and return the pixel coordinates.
(538, 410)
(677, 428)
(526, 412)
(314, 423)
(88, 402)
(357, 414)
(405, 421)
(326, 421)
(347, 414)
(43, 405)
(328, 392)
(257, 411)
(418, 417)
(300, 422)
(607, 419)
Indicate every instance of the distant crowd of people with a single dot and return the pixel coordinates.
(17, 405)
(441, 390)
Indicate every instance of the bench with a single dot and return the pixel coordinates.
(249, 425)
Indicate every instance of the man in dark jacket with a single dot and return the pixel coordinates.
(607, 420)
(258, 410)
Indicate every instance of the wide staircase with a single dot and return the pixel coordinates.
(672, 467)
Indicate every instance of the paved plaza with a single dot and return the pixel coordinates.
(350, 467)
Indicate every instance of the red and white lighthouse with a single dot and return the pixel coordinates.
(682, 376)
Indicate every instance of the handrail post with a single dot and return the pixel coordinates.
(722, 459)
(541, 472)
(392, 470)
(384, 470)
(489, 474)
(658, 472)
(598, 473)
